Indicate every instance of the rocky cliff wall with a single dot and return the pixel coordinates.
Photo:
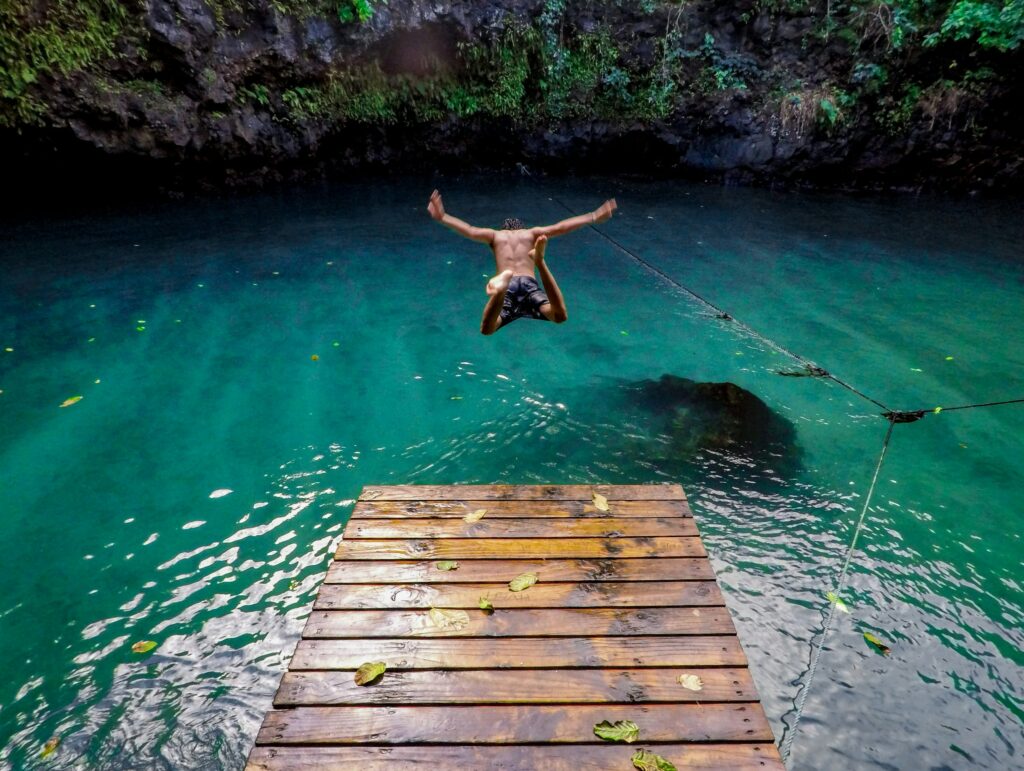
(857, 94)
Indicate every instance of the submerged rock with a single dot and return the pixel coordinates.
(692, 416)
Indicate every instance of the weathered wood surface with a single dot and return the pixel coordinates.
(669, 492)
(707, 757)
(480, 570)
(541, 595)
(626, 602)
(518, 509)
(519, 548)
(604, 527)
(522, 652)
(518, 724)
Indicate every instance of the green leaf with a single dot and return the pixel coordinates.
(877, 644)
(454, 620)
(369, 672)
(143, 646)
(50, 747)
(620, 731)
(486, 606)
(522, 581)
(691, 682)
(835, 599)
(72, 400)
(475, 516)
(648, 761)
(447, 565)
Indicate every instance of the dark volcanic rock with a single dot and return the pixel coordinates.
(716, 416)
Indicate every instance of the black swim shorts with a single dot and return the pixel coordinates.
(523, 298)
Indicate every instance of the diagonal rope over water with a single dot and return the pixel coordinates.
(840, 583)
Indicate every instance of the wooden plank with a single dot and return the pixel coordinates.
(762, 756)
(523, 724)
(659, 492)
(609, 527)
(518, 686)
(522, 652)
(519, 548)
(474, 571)
(542, 595)
(548, 622)
(378, 509)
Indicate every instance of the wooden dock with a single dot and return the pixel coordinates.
(626, 603)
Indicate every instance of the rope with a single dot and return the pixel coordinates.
(787, 744)
(812, 369)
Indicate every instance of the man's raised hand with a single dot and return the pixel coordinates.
(436, 206)
(603, 213)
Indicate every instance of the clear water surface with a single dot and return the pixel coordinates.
(189, 329)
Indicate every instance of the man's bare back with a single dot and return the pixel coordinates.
(519, 252)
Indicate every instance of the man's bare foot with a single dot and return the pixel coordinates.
(537, 252)
(500, 282)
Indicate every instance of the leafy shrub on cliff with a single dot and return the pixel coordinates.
(992, 24)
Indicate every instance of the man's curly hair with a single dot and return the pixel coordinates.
(511, 223)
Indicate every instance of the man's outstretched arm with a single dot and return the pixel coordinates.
(602, 213)
(436, 209)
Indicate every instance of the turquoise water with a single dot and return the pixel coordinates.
(189, 329)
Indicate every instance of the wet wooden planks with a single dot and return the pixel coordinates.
(626, 602)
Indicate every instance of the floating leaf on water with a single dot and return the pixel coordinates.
(600, 502)
(453, 620)
(475, 516)
(486, 606)
(72, 400)
(835, 599)
(620, 731)
(648, 761)
(880, 646)
(221, 493)
(937, 410)
(314, 357)
(50, 747)
(336, 344)
(143, 646)
(949, 358)
(691, 682)
(522, 581)
(369, 672)
(456, 398)
(447, 565)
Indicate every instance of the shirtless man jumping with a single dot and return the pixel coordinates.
(518, 250)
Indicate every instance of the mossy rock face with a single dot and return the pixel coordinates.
(714, 416)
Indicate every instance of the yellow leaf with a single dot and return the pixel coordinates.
(600, 502)
(644, 760)
(475, 516)
(143, 646)
(50, 747)
(452, 620)
(72, 400)
(447, 565)
(369, 672)
(621, 731)
(486, 606)
(692, 682)
(522, 581)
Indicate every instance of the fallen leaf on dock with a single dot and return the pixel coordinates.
(369, 672)
(143, 646)
(475, 516)
(834, 598)
(486, 606)
(454, 620)
(522, 581)
(72, 400)
(600, 502)
(648, 761)
(447, 565)
(691, 682)
(50, 747)
(620, 731)
(877, 644)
